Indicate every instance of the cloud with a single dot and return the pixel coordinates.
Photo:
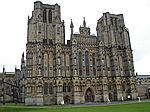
(142, 66)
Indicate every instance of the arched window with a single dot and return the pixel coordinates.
(44, 15)
(94, 67)
(45, 88)
(28, 89)
(50, 16)
(87, 63)
(80, 63)
(64, 87)
(51, 88)
(123, 87)
(69, 87)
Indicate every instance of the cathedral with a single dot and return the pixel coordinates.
(87, 69)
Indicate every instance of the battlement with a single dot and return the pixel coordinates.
(40, 5)
(109, 19)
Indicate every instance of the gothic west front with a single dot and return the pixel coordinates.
(87, 69)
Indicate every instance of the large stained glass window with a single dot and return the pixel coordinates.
(64, 87)
(45, 88)
(87, 63)
(80, 63)
(50, 16)
(51, 88)
(94, 67)
(44, 15)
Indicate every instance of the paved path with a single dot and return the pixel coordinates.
(105, 104)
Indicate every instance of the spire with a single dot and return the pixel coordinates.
(15, 68)
(22, 59)
(84, 23)
(28, 19)
(71, 26)
(3, 69)
(84, 30)
(23, 55)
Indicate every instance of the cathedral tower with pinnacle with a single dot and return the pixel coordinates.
(86, 69)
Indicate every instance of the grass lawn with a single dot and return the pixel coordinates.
(136, 107)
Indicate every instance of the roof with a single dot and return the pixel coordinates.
(143, 76)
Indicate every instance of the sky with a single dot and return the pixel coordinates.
(13, 26)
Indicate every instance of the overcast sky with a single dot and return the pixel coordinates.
(13, 26)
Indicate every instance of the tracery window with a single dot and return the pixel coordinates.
(51, 88)
(87, 63)
(94, 66)
(69, 87)
(28, 89)
(64, 87)
(44, 15)
(45, 88)
(80, 63)
(123, 87)
(50, 16)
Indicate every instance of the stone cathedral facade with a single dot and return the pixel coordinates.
(87, 69)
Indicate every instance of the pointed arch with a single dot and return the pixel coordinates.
(80, 63)
(45, 88)
(87, 63)
(94, 65)
(67, 99)
(89, 95)
(101, 43)
(123, 87)
(74, 41)
(110, 96)
(69, 87)
(64, 87)
(44, 15)
(50, 88)
(50, 16)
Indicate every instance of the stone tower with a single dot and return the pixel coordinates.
(114, 35)
(45, 29)
(87, 69)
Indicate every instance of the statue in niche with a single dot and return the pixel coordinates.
(39, 88)
(75, 72)
(58, 61)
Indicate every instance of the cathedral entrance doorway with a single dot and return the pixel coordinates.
(66, 99)
(89, 96)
